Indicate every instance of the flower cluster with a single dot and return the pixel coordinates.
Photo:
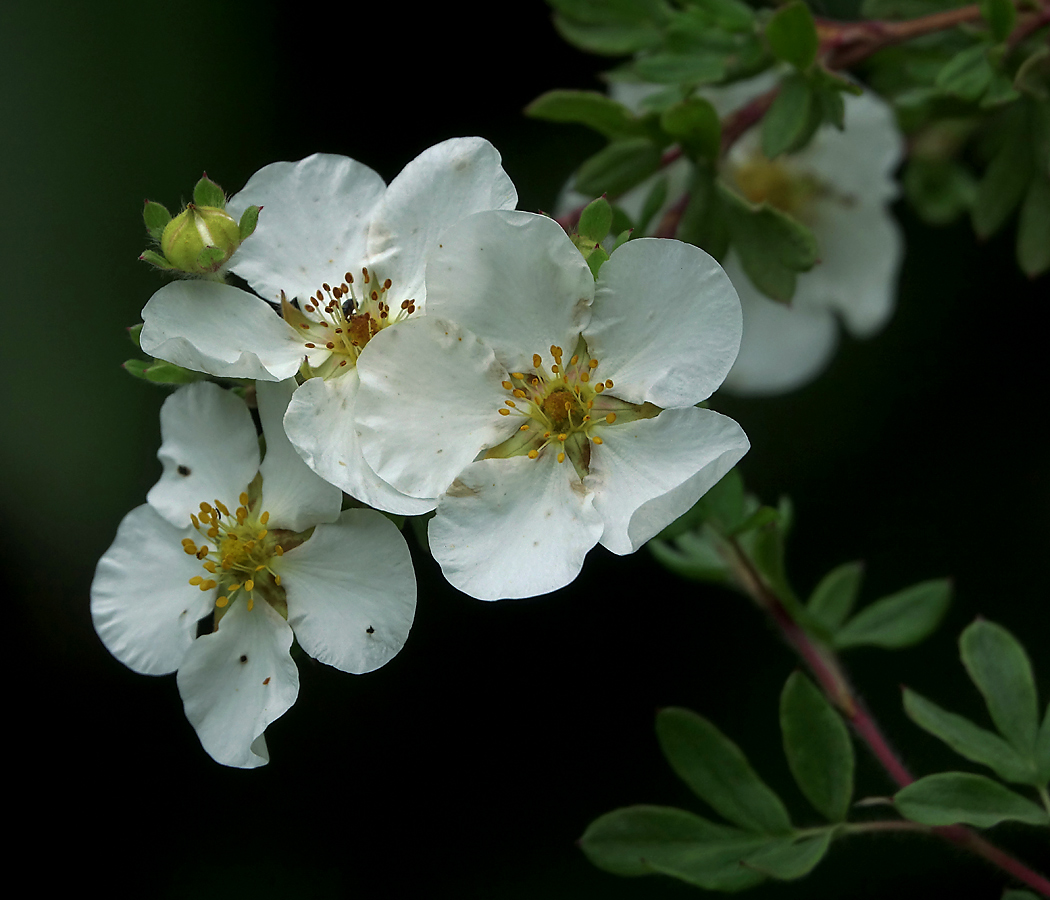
(536, 407)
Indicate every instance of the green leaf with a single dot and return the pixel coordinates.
(207, 193)
(596, 111)
(595, 221)
(792, 35)
(967, 74)
(673, 68)
(818, 747)
(156, 216)
(249, 220)
(695, 125)
(732, 15)
(1033, 228)
(951, 798)
(970, 740)
(618, 168)
(900, 620)
(1018, 895)
(940, 190)
(771, 245)
(703, 222)
(642, 840)
(787, 862)
(1033, 75)
(607, 40)
(160, 372)
(1000, 16)
(792, 119)
(693, 555)
(724, 505)
(155, 259)
(1042, 748)
(999, 667)
(718, 772)
(1006, 178)
(833, 599)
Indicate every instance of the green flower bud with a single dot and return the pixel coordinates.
(200, 239)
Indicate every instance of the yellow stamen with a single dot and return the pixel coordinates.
(611, 418)
(222, 601)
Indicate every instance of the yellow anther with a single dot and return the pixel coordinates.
(222, 601)
(278, 550)
(243, 499)
(599, 387)
(260, 568)
(585, 377)
(555, 369)
(562, 437)
(277, 580)
(561, 457)
(519, 375)
(208, 585)
(574, 360)
(533, 454)
(265, 517)
(210, 566)
(249, 585)
(234, 587)
(221, 507)
(555, 351)
(608, 382)
(524, 427)
(202, 551)
(196, 522)
(536, 361)
(196, 579)
(251, 603)
(507, 385)
(611, 418)
(190, 548)
(511, 404)
(519, 393)
(205, 507)
(262, 533)
(593, 364)
(596, 439)
(504, 412)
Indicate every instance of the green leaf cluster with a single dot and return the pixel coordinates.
(1018, 751)
(757, 840)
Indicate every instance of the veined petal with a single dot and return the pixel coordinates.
(142, 605)
(428, 403)
(444, 184)
(321, 424)
(648, 472)
(665, 322)
(861, 249)
(209, 450)
(313, 227)
(351, 591)
(515, 280)
(237, 680)
(221, 330)
(514, 527)
(783, 347)
(295, 497)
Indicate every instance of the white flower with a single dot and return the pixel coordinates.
(549, 412)
(351, 251)
(840, 185)
(221, 539)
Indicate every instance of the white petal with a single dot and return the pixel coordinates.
(428, 404)
(295, 497)
(783, 347)
(313, 227)
(321, 424)
(648, 472)
(665, 324)
(221, 330)
(515, 280)
(860, 160)
(142, 605)
(442, 185)
(861, 249)
(209, 450)
(351, 591)
(514, 527)
(237, 680)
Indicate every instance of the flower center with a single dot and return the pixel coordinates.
(565, 407)
(776, 183)
(237, 553)
(337, 322)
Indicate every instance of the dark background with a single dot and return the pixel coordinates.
(469, 765)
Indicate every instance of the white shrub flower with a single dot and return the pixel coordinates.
(551, 413)
(840, 185)
(233, 542)
(350, 251)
